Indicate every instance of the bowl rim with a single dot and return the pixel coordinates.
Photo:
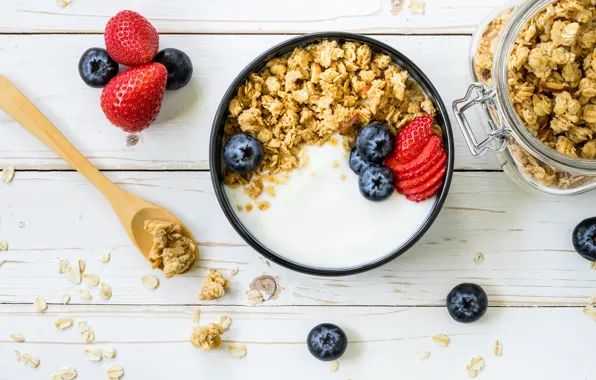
(215, 159)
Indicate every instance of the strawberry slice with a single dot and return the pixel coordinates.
(438, 177)
(432, 146)
(413, 137)
(427, 194)
(425, 177)
(440, 155)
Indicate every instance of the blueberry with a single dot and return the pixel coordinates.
(97, 68)
(179, 67)
(584, 236)
(467, 303)
(243, 153)
(376, 183)
(374, 142)
(357, 164)
(327, 342)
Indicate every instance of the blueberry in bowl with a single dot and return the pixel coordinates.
(376, 183)
(243, 153)
(357, 163)
(374, 143)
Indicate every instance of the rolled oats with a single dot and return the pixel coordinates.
(196, 316)
(441, 339)
(17, 354)
(82, 327)
(63, 323)
(424, 355)
(7, 174)
(479, 257)
(17, 337)
(84, 293)
(93, 354)
(214, 286)
(237, 350)
(57, 376)
(91, 279)
(105, 257)
(64, 3)
(225, 322)
(2, 262)
(150, 281)
(108, 352)
(497, 348)
(40, 304)
(31, 360)
(73, 274)
(3, 245)
(334, 366)
(207, 337)
(233, 271)
(476, 365)
(254, 297)
(309, 96)
(115, 372)
(89, 336)
(105, 291)
(176, 252)
(68, 372)
(61, 265)
(417, 6)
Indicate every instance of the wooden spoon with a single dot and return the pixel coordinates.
(131, 210)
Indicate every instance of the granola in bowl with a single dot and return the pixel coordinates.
(323, 128)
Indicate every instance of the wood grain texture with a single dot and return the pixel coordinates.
(382, 341)
(527, 242)
(44, 69)
(238, 16)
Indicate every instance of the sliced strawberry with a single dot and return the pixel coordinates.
(440, 155)
(438, 177)
(413, 137)
(422, 179)
(430, 149)
(427, 194)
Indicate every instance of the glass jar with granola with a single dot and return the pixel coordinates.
(534, 67)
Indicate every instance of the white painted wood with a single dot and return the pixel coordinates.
(238, 16)
(527, 242)
(44, 68)
(152, 343)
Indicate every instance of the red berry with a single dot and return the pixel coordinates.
(130, 39)
(132, 100)
(439, 155)
(413, 137)
(423, 178)
(427, 194)
(426, 186)
(431, 148)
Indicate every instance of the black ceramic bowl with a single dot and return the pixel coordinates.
(283, 49)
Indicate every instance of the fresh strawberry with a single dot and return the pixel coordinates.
(426, 194)
(430, 149)
(413, 137)
(440, 155)
(423, 178)
(130, 39)
(132, 100)
(438, 177)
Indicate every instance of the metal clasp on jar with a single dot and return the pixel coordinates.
(496, 141)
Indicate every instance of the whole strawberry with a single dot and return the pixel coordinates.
(132, 100)
(130, 39)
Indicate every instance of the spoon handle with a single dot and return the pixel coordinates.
(25, 113)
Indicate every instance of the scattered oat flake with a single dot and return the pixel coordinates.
(2, 262)
(196, 316)
(64, 299)
(82, 265)
(590, 311)
(31, 360)
(254, 297)
(477, 363)
(93, 355)
(417, 6)
(479, 257)
(73, 274)
(68, 372)
(334, 366)
(63, 323)
(105, 257)
(84, 293)
(40, 304)
(593, 265)
(424, 355)
(497, 348)
(237, 350)
(82, 327)
(150, 281)
(108, 352)
(89, 336)
(441, 339)
(471, 372)
(7, 174)
(64, 3)
(225, 322)
(91, 279)
(17, 337)
(57, 376)
(233, 271)
(17, 354)
(3, 245)
(61, 265)
(115, 372)
(105, 291)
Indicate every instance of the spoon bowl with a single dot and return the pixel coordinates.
(132, 211)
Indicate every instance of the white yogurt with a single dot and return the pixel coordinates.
(319, 220)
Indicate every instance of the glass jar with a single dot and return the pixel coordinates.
(523, 156)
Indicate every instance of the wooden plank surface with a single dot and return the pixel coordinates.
(152, 343)
(45, 69)
(527, 242)
(238, 16)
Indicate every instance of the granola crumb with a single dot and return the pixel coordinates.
(269, 189)
(333, 141)
(239, 208)
(441, 339)
(214, 286)
(175, 252)
(479, 257)
(248, 207)
(335, 164)
(497, 348)
(207, 337)
(334, 366)
(264, 205)
(7, 174)
(3, 245)
(343, 177)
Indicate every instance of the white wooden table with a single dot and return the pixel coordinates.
(536, 284)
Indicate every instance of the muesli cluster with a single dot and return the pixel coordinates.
(306, 98)
(175, 252)
(552, 83)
